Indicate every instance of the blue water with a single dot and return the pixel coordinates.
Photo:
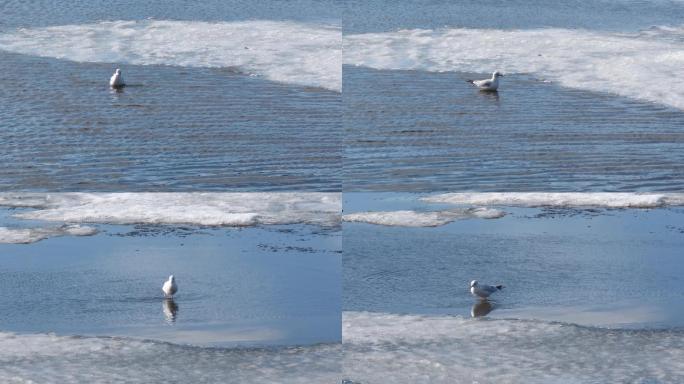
(591, 101)
(275, 286)
(620, 15)
(591, 295)
(580, 107)
(550, 260)
(257, 304)
(192, 125)
(44, 13)
(422, 131)
(575, 280)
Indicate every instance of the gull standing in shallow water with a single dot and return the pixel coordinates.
(483, 291)
(117, 81)
(170, 288)
(487, 84)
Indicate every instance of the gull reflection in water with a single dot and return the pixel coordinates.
(481, 308)
(490, 95)
(170, 310)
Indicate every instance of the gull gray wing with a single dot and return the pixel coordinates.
(489, 288)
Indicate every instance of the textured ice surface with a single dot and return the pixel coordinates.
(287, 52)
(46, 358)
(392, 348)
(644, 65)
(210, 209)
(31, 235)
(562, 199)
(407, 218)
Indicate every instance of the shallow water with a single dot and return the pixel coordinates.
(591, 294)
(591, 99)
(278, 285)
(254, 304)
(585, 265)
(221, 96)
(178, 129)
(423, 131)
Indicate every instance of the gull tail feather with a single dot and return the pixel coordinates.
(499, 287)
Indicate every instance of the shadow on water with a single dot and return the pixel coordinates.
(170, 309)
(481, 308)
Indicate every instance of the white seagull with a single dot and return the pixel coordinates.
(487, 84)
(117, 80)
(170, 288)
(483, 291)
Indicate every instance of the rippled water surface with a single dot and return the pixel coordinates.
(211, 101)
(422, 131)
(591, 99)
(380, 15)
(174, 129)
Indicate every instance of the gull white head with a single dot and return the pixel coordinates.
(171, 278)
(473, 283)
(118, 71)
(496, 74)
